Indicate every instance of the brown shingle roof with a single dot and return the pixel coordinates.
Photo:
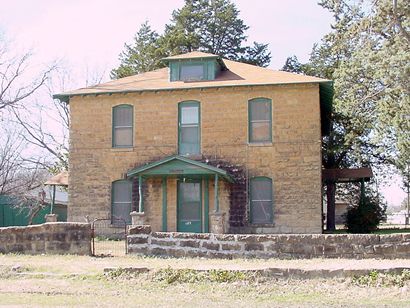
(60, 179)
(238, 74)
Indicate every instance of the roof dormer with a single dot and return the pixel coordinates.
(194, 66)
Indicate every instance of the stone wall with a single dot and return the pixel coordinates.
(48, 238)
(358, 246)
(292, 160)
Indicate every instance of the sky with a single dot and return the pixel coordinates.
(92, 33)
(87, 36)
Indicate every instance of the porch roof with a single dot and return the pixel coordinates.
(178, 165)
(347, 175)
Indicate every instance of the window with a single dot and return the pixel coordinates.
(260, 120)
(122, 126)
(192, 72)
(121, 201)
(189, 128)
(261, 204)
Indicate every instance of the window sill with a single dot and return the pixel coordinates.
(130, 149)
(260, 144)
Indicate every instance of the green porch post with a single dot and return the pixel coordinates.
(164, 204)
(216, 201)
(53, 201)
(140, 203)
(206, 206)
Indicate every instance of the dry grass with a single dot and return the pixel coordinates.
(78, 281)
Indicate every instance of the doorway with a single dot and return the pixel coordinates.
(189, 211)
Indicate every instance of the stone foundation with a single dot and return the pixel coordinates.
(358, 246)
(48, 238)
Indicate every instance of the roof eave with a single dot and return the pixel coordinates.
(66, 96)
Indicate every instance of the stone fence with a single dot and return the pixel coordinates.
(359, 246)
(49, 238)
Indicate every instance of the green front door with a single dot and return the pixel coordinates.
(189, 207)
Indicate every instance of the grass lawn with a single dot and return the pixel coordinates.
(79, 281)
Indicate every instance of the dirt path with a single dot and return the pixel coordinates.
(83, 264)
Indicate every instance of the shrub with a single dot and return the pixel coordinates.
(366, 216)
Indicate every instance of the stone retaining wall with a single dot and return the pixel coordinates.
(49, 238)
(359, 246)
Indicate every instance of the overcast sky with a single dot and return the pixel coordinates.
(93, 32)
(89, 35)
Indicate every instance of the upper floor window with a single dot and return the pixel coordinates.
(189, 128)
(121, 201)
(260, 120)
(192, 71)
(122, 126)
(261, 201)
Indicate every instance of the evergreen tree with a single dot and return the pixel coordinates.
(293, 65)
(367, 56)
(144, 55)
(211, 26)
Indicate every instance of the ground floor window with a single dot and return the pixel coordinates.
(121, 200)
(261, 205)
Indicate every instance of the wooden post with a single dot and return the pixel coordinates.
(206, 206)
(53, 200)
(164, 204)
(140, 203)
(362, 193)
(330, 217)
(216, 201)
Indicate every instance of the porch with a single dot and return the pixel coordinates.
(182, 195)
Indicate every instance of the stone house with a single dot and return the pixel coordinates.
(210, 145)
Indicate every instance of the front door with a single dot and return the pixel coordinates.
(189, 206)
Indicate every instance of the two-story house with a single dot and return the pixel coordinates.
(211, 145)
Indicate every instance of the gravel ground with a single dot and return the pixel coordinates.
(85, 264)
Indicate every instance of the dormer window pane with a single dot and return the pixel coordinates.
(192, 72)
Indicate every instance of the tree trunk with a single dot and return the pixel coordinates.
(331, 206)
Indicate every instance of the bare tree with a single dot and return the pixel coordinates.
(15, 86)
(19, 179)
(52, 139)
(55, 146)
(17, 175)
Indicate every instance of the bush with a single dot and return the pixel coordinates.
(366, 216)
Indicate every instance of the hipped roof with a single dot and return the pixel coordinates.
(234, 74)
(237, 74)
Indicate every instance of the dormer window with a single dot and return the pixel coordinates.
(191, 72)
(194, 66)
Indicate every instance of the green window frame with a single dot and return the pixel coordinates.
(261, 200)
(260, 120)
(121, 201)
(184, 66)
(122, 126)
(189, 128)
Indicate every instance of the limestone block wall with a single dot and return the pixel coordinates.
(142, 241)
(292, 160)
(48, 238)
